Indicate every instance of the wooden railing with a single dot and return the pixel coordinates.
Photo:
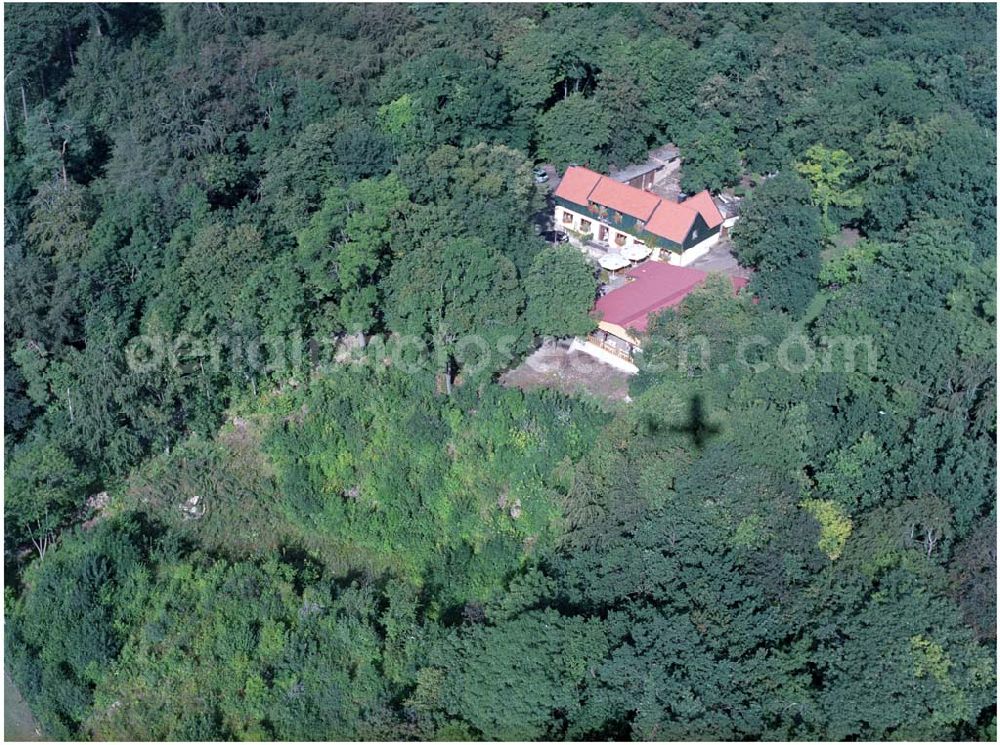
(610, 348)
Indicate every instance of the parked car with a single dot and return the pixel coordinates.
(555, 236)
(540, 175)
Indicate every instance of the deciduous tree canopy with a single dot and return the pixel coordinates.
(264, 265)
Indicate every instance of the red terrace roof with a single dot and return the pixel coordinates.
(577, 183)
(703, 202)
(624, 198)
(654, 286)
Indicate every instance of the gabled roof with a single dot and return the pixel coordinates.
(671, 220)
(576, 184)
(624, 198)
(654, 286)
(662, 217)
(705, 205)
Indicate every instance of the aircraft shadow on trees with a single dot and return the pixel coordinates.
(697, 425)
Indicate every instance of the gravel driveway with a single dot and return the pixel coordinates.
(721, 259)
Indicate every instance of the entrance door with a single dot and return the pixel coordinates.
(602, 233)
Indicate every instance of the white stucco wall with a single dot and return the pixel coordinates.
(696, 251)
(595, 223)
(577, 219)
(606, 357)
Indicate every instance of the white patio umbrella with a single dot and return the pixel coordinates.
(613, 262)
(636, 253)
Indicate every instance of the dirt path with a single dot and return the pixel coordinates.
(19, 723)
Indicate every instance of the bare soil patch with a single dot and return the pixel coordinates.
(554, 366)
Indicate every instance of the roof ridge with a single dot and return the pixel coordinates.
(652, 214)
(676, 204)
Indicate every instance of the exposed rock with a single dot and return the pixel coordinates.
(349, 348)
(98, 501)
(309, 608)
(94, 509)
(193, 507)
(515, 509)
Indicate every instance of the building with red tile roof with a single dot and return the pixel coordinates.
(623, 198)
(703, 203)
(577, 184)
(652, 286)
(619, 215)
(672, 221)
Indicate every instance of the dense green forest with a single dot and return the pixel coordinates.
(242, 540)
